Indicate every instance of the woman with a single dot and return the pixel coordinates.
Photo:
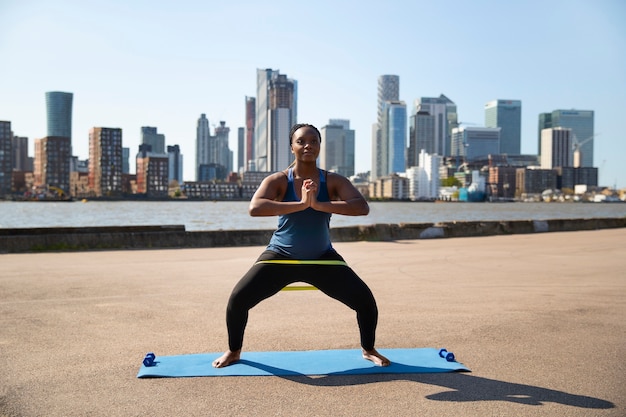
(304, 197)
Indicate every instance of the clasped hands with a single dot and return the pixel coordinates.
(309, 193)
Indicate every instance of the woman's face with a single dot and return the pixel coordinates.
(305, 144)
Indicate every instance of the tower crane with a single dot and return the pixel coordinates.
(576, 149)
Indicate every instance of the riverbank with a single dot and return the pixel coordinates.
(175, 236)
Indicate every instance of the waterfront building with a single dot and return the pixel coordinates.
(501, 181)
(581, 122)
(52, 162)
(337, 147)
(388, 90)
(424, 178)
(276, 112)
(105, 161)
(248, 148)
(151, 136)
(534, 181)
(507, 115)
(152, 173)
(390, 187)
(175, 164)
(556, 148)
(59, 114)
(570, 177)
(6, 158)
(203, 143)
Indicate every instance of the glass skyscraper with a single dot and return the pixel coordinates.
(394, 137)
(59, 113)
(507, 115)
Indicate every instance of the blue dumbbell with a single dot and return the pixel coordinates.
(149, 359)
(449, 356)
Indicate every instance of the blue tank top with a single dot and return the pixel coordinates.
(304, 234)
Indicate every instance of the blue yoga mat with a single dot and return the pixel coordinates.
(314, 362)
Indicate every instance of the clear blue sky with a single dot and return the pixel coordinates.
(157, 63)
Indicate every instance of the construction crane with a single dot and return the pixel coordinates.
(577, 153)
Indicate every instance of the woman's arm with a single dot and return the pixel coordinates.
(266, 201)
(344, 198)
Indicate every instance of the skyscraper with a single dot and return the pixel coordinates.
(6, 156)
(582, 124)
(223, 155)
(431, 127)
(276, 112)
(151, 136)
(105, 161)
(393, 136)
(249, 163)
(507, 115)
(175, 164)
(388, 90)
(337, 147)
(59, 114)
(203, 137)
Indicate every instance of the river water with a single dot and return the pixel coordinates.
(232, 215)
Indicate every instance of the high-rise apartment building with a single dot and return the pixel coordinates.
(59, 114)
(6, 158)
(248, 147)
(556, 148)
(388, 90)
(105, 161)
(52, 162)
(241, 135)
(152, 172)
(203, 143)
(151, 136)
(21, 160)
(507, 115)
(175, 164)
(337, 147)
(582, 124)
(276, 112)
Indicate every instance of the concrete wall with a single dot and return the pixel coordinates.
(157, 237)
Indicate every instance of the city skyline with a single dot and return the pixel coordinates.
(142, 72)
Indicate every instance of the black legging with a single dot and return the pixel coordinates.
(265, 279)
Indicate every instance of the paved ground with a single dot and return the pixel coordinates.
(540, 320)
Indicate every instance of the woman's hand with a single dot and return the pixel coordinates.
(309, 193)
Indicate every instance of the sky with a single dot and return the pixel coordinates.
(134, 63)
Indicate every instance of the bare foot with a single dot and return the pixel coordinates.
(227, 358)
(377, 358)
